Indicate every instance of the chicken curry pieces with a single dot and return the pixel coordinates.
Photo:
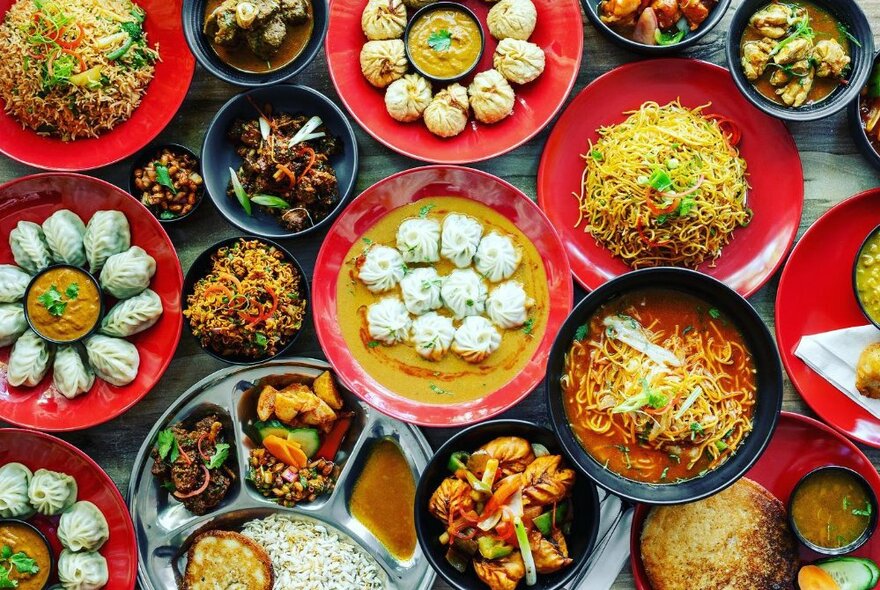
(655, 22)
(795, 54)
(507, 509)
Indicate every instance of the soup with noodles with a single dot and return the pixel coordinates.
(659, 386)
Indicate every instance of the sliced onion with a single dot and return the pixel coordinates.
(265, 128)
(201, 489)
(490, 522)
(693, 189)
(305, 131)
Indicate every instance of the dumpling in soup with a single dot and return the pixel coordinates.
(497, 257)
(407, 98)
(476, 339)
(491, 97)
(381, 268)
(464, 293)
(519, 61)
(388, 321)
(508, 305)
(459, 239)
(447, 115)
(432, 335)
(421, 290)
(512, 19)
(419, 240)
(384, 19)
(383, 62)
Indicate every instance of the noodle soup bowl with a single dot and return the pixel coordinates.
(720, 302)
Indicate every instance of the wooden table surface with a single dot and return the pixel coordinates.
(833, 170)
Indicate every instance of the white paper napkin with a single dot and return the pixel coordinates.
(834, 356)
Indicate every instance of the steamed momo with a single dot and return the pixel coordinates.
(29, 360)
(13, 283)
(508, 305)
(51, 492)
(14, 481)
(107, 233)
(114, 360)
(491, 96)
(464, 293)
(130, 316)
(421, 290)
(382, 268)
(128, 273)
(419, 240)
(29, 248)
(447, 115)
(70, 374)
(82, 571)
(432, 335)
(519, 61)
(12, 322)
(83, 528)
(459, 239)
(497, 257)
(383, 19)
(383, 62)
(407, 98)
(388, 321)
(475, 339)
(512, 19)
(64, 232)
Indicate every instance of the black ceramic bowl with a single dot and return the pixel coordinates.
(759, 342)
(858, 130)
(846, 12)
(862, 539)
(193, 15)
(585, 526)
(149, 154)
(200, 268)
(591, 7)
(39, 533)
(444, 6)
(218, 153)
(873, 233)
(91, 278)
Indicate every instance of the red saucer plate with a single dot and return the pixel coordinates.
(799, 445)
(559, 32)
(774, 166)
(164, 96)
(396, 191)
(34, 198)
(37, 450)
(816, 295)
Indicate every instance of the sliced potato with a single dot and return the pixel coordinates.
(266, 403)
(325, 388)
(294, 400)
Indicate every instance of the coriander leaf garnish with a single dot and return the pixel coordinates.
(52, 301)
(23, 563)
(164, 443)
(423, 212)
(72, 291)
(582, 332)
(528, 326)
(373, 343)
(163, 177)
(440, 40)
(221, 453)
(260, 340)
(714, 313)
(439, 390)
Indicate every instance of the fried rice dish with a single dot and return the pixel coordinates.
(251, 304)
(74, 68)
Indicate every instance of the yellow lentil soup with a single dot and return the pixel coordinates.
(831, 508)
(867, 277)
(63, 304)
(444, 43)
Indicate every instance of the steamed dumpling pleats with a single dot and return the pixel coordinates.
(419, 240)
(51, 492)
(421, 290)
(133, 315)
(128, 273)
(64, 232)
(475, 339)
(383, 62)
(388, 321)
(508, 305)
(464, 293)
(14, 481)
(383, 19)
(29, 360)
(13, 283)
(491, 97)
(497, 257)
(29, 248)
(70, 374)
(459, 239)
(512, 19)
(519, 61)
(447, 114)
(381, 268)
(114, 360)
(12, 322)
(406, 99)
(106, 234)
(82, 570)
(83, 528)
(432, 335)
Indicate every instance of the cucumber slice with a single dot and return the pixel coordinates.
(307, 438)
(849, 573)
(869, 563)
(271, 427)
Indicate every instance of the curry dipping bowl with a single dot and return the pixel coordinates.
(413, 31)
(722, 302)
(4, 539)
(42, 320)
(871, 242)
(869, 512)
(585, 499)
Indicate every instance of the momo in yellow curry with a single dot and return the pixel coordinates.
(63, 304)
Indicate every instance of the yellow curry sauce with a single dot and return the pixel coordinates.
(452, 379)
(63, 304)
(831, 508)
(21, 538)
(444, 43)
(868, 277)
(384, 499)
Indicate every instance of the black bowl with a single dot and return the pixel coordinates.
(218, 153)
(16, 521)
(591, 7)
(193, 15)
(846, 12)
(92, 278)
(585, 526)
(862, 539)
(858, 130)
(201, 266)
(444, 6)
(769, 385)
(875, 321)
(147, 155)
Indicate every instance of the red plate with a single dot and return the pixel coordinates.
(776, 196)
(816, 295)
(799, 445)
(559, 32)
(164, 96)
(396, 191)
(34, 198)
(37, 450)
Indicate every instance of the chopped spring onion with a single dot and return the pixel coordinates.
(239, 192)
(525, 549)
(305, 131)
(265, 128)
(689, 402)
(270, 201)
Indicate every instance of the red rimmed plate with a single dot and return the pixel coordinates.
(37, 450)
(559, 32)
(816, 295)
(164, 96)
(799, 445)
(371, 206)
(774, 166)
(34, 198)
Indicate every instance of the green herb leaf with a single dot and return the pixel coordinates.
(53, 302)
(714, 313)
(367, 241)
(686, 205)
(665, 471)
(270, 201)
(164, 443)
(169, 486)
(439, 390)
(597, 155)
(221, 453)
(866, 512)
(373, 343)
(721, 445)
(166, 215)
(423, 212)
(440, 40)
(844, 31)
(5, 552)
(260, 340)
(23, 563)
(5, 582)
(72, 291)
(163, 177)
(582, 332)
(528, 326)
(660, 180)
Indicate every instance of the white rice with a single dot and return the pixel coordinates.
(309, 556)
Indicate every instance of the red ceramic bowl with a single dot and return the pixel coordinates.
(559, 32)
(396, 191)
(799, 445)
(159, 105)
(37, 450)
(816, 295)
(34, 198)
(774, 167)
